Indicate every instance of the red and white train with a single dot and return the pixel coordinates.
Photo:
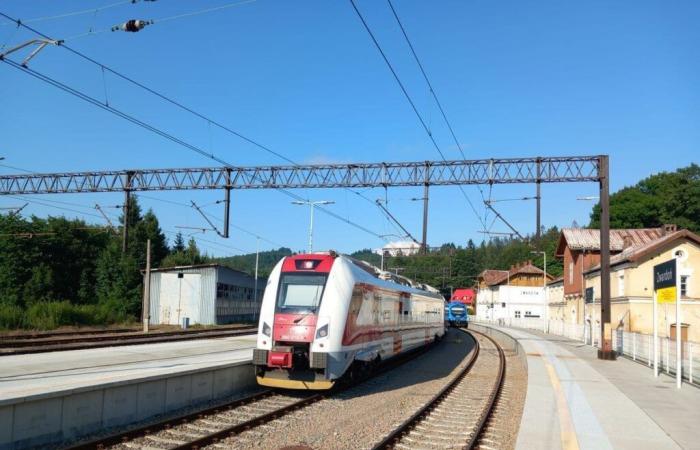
(326, 315)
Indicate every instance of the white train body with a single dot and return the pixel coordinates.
(325, 314)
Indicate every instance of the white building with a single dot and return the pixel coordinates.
(517, 293)
(399, 248)
(207, 294)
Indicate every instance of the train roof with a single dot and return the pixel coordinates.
(368, 268)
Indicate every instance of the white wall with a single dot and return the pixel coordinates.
(510, 302)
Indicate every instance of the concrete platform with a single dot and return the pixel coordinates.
(576, 401)
(51, 397)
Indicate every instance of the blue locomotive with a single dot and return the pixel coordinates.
(456, 314)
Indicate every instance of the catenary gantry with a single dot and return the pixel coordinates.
(434, 173)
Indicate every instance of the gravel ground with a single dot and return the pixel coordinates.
(502, 429)
(360, 417)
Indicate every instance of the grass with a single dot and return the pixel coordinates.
(55, 314)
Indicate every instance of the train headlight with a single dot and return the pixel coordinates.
(322, 332)
(266, 329)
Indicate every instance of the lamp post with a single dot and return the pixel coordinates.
(544, 289)
(311, 221)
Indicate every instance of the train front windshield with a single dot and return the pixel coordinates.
(300, 293)
(459, 311)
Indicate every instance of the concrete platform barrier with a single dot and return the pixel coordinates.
(55, 417)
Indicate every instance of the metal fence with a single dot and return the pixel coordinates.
(636, 346)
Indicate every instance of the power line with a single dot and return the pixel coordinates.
(432, 92)
(160, 132)
(167, 19)
(78, 13)
(42, 203)
(410, 101)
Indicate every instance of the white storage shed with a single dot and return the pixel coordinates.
(207, 294)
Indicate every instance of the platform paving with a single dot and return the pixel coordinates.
(575, 400)
(51, 398)
(43, 374)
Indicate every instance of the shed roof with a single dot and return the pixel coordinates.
(198, 266)
(589, 238)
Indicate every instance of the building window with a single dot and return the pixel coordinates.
(571, 272)
(684, 285)
(517, 314)
(503, 305)
(621, 285)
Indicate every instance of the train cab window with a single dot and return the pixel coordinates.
(300, 293)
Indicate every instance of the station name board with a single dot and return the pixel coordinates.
(665, 275)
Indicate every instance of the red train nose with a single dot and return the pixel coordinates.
(294, 327)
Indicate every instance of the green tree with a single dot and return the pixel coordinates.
(179, 244)
(667, 197)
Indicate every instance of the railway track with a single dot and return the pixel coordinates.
(24, 345)
(210, 426)
(207, 427)
(461, 415)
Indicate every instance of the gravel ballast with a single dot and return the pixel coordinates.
(361, 416)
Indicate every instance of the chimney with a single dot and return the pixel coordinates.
(669, 228)
(626, 241)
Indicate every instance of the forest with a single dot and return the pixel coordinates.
(57, 271)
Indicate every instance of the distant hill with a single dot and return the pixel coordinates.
(367, 255)
(246, 263)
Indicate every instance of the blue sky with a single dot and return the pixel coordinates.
(303, 78)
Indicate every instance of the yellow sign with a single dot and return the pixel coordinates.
(666, 295)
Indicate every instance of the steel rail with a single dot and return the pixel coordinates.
(405, 427)
(252, 423)
(151, 428)
(395, 436)
(238, 428)
(243, 426)
(495, 394)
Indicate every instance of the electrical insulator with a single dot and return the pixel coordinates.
(132, 25)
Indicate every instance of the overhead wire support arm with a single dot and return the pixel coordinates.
(213, 227)
(504, 220)
(41, 44)
(101, 211)
(391, 216)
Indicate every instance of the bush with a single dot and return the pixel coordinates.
(11, 317)
(54, 314)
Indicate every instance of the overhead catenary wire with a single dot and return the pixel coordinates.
(144, 22)
(197, 114)
(410, 101)
(433, 93)
(80, 12)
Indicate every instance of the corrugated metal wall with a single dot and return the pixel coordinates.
(227, 296)
(235, 297)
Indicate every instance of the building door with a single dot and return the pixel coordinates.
(180, 297)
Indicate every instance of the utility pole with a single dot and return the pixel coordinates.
(147, 289)
(126, 207)
(539, 199)
(425, 207)
(545, 304)
(257, 256)
(227, 204)
(606, 351)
